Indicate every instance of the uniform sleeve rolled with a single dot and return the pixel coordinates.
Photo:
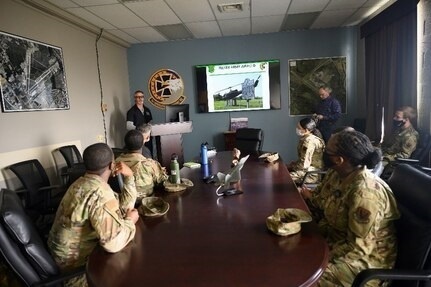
(114, 232)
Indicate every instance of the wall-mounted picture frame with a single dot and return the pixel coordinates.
(307, 75)
(32, 75)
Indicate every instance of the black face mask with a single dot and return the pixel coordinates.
(327, 160)
(398, 123)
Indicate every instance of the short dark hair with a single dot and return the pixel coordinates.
(308, 124)
(134, 140)
(97, 156)
(138, 91)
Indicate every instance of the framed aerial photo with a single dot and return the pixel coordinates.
(32, 75)
(307, 75)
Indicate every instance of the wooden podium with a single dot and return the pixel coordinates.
(169, 140)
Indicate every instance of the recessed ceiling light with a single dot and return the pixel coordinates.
(230, 7)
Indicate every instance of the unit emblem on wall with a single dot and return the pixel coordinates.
(166, 88)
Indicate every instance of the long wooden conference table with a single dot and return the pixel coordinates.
(207, 240)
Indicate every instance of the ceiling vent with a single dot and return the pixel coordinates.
(231, 7)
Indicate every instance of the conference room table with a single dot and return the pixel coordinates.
(209, 240)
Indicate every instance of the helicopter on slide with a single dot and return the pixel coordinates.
(230, 95)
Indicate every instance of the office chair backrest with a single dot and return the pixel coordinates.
(423, 148)
(32, 176)
(71, 155)
(20, 244)
(249, 139)
(411, 190)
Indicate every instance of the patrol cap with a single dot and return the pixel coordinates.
(287, 221)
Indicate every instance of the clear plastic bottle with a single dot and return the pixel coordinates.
(175, 169)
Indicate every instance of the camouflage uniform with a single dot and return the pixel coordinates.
(401, 144)
(90, 214)
(148, 172)
(310, 152)
(355, 215)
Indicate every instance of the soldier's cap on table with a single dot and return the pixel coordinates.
(175, 187)
(270, 156)
(153, 206)
(287, 221)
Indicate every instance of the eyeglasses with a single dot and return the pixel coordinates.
(139, 97)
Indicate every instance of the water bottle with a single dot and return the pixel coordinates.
(204, 154)
(175, 169)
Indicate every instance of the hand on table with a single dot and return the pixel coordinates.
(305, 192)
(132, 214)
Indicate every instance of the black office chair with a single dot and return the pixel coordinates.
(23, 250)
(360, 124)
(249, 139)
(39, 195)
(420, 155)
(413, 266)
(75, 164)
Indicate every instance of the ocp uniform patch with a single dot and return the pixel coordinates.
(362, 215)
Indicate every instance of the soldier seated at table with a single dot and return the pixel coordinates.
(403, 141)
(91, 213)
(310, 150)
(355, 210)
(148, 172)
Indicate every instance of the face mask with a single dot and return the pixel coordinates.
(398, 123)
(327, 160)
(299, 132)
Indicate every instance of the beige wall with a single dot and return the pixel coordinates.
(26, 135)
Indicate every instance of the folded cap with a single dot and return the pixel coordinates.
(153, 206)
(287, 221)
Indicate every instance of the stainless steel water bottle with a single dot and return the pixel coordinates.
(175, 169)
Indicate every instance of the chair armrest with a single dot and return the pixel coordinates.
(407, 160)
(58, 279)
(390, 274)
(311, 172)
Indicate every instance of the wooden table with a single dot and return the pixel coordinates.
(206, 240)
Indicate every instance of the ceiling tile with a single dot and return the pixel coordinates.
(333, 18)
(230, 15)
(359, 16)
(117, 15)
(94, 2)
(378, 3)
(192, 10)
(154, 12)
(174, 32)
(344, 4)
(231, 27)
(122, 35)
(63, 3)
(93, 19)
(266, 24)
(304, 6)
(145, 34)
(204, 29)
(269, 7)
(299, 21)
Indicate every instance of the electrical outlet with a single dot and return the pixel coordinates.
(100, 138)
